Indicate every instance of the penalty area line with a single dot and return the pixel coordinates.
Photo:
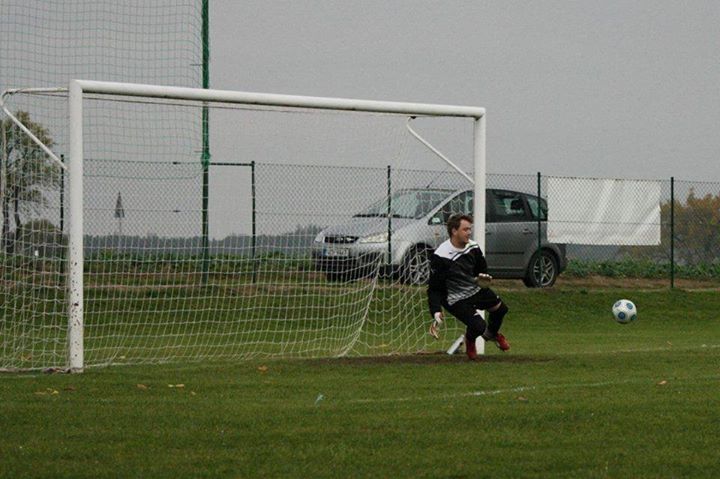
(495, 392)
(491, 392)
(655, 349)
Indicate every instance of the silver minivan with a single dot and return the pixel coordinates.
(402, 233)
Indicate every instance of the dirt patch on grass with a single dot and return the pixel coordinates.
(427, 358)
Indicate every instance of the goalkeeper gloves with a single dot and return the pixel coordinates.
(483, 280)
(435, 326)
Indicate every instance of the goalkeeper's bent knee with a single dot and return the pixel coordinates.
(499, 313)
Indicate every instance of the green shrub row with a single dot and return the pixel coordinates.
(639, 268)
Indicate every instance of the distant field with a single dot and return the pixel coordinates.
(577, 396)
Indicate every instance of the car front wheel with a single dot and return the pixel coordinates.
(542, 271)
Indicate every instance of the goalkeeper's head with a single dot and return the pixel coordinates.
(459, 229)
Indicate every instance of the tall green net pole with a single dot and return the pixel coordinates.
(205, 141)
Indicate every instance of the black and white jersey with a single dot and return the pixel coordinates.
(452, 274)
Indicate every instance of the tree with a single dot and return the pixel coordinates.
(697, 229)
(696, 232)
(28, 174)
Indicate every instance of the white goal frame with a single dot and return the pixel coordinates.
(79, 88)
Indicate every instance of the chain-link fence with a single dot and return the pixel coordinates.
(259, 211)
(678, 245)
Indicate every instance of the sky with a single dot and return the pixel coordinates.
(600, 89)
(608, 89)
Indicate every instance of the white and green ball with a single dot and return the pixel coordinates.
(624, 311)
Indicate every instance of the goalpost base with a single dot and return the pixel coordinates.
(479, 345)
(479, 341)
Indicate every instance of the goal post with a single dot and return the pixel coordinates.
(270, 99)
(76, 267)
(347, 318)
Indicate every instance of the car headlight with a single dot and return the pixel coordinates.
(378, 238)
(320, 237)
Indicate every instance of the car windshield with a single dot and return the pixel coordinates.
(413, 204)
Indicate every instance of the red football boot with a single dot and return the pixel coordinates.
(501, 342)
(470, 349)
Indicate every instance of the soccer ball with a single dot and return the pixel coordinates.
(624, 311)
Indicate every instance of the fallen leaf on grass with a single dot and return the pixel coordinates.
(522, 399)
(141, 386)
(662, 383)
(48, 392)
(262, 369)
(179, 386)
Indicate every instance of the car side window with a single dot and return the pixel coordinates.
(461, 203)
(470, 204)
(509, 207)
(464, 203)
(536, 208)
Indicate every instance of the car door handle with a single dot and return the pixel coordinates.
(527, 231)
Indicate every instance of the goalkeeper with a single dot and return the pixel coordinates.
(459, 282)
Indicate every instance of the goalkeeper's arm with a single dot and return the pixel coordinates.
(437, 292)
(482, 278)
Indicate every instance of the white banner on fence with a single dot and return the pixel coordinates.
(603, 211)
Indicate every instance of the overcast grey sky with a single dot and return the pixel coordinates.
(592, 88)
(613, 89)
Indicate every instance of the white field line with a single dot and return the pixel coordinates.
(669, 347)
(491, 392)
(494, 392)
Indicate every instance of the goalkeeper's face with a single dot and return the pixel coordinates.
(461, 236)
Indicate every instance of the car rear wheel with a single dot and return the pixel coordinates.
(542, 271)
(415, 269)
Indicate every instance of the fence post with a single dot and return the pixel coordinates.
(62, 198)
(539, 215)
(254, 222)
(672, 232)
(389, 213)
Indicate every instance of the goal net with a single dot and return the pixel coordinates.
(300, 227)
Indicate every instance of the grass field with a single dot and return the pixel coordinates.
(577, 396)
